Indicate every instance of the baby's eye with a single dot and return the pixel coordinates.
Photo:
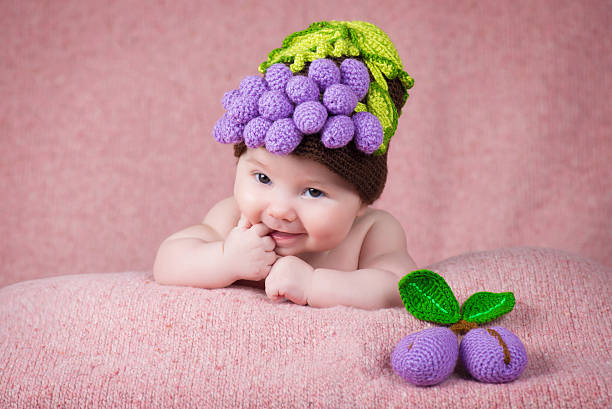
(314, 193)
(262, 178)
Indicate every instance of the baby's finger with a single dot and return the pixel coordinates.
(271, 290)
(268, 243)
(275, 296)
(243, 222)
(271, 257)
(261, 229)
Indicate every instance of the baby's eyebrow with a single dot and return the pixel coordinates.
(317, 182)
(256, 162)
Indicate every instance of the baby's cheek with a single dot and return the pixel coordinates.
(250, 205)
(328, 232)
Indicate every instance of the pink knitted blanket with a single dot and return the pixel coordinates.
(123, 341)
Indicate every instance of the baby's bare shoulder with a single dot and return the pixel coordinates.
(222, 208)
(383, 229)
(223, 216)
(219, 220)
(378, 218)
(384, 245)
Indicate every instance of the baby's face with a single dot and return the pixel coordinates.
(309, 208)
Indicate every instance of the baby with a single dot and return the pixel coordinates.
(311, 138)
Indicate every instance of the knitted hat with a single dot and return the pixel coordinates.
(332, 93)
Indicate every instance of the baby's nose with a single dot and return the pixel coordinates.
(281, 209)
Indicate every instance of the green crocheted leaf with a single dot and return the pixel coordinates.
(428, 297)
(372, 42)
(350, 39)
(319, 40)
(380, 104)
(338, 39)
(361, 107)
(406, 80)
(485, 306)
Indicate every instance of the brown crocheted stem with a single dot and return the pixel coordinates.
(461, 327)
(503, 345)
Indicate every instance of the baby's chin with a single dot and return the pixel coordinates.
(284, 252)
(301, 252)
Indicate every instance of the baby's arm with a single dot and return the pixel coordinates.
(382, 262)
(216, 253)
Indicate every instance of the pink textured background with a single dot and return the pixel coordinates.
(106, 110)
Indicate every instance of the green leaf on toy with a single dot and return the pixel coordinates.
(485, 306)
(426, 295)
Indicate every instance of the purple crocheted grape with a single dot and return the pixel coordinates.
(310, 116)
(253, 85)
(338, 131)
(301, 89)
(228, 131)
(368, 132)
(229, 97)
(255, 132)
(275, 105)
(426, 357)
(340, 99)
(324, 72)
(355, 74)
(277, 76)
(283, 137)
(493, 354)
(243, 108)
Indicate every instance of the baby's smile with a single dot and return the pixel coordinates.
(278, 235)
(285, 239)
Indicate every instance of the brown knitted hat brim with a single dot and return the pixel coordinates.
(366, 173)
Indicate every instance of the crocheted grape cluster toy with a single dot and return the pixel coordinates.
(278, 109)
(493, 355)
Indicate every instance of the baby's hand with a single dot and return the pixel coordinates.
(290, 278)
(249, 251)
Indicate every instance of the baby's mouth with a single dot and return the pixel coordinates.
(284, 237)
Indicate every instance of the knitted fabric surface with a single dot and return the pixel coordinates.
(122, 341)
(337, 105)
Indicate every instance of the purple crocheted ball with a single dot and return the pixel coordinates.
(283, 137)
(368, 132)
(426, 357)
(324, 72)
(355, 74)
(277, 76)
(229, 97)
(338, 131)
(243, 108)
(340, 99)
(228, 131)
(493, 354)
(310, 116)
(301, 89)
(253, 85)
(275, 105)
(255, 132)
